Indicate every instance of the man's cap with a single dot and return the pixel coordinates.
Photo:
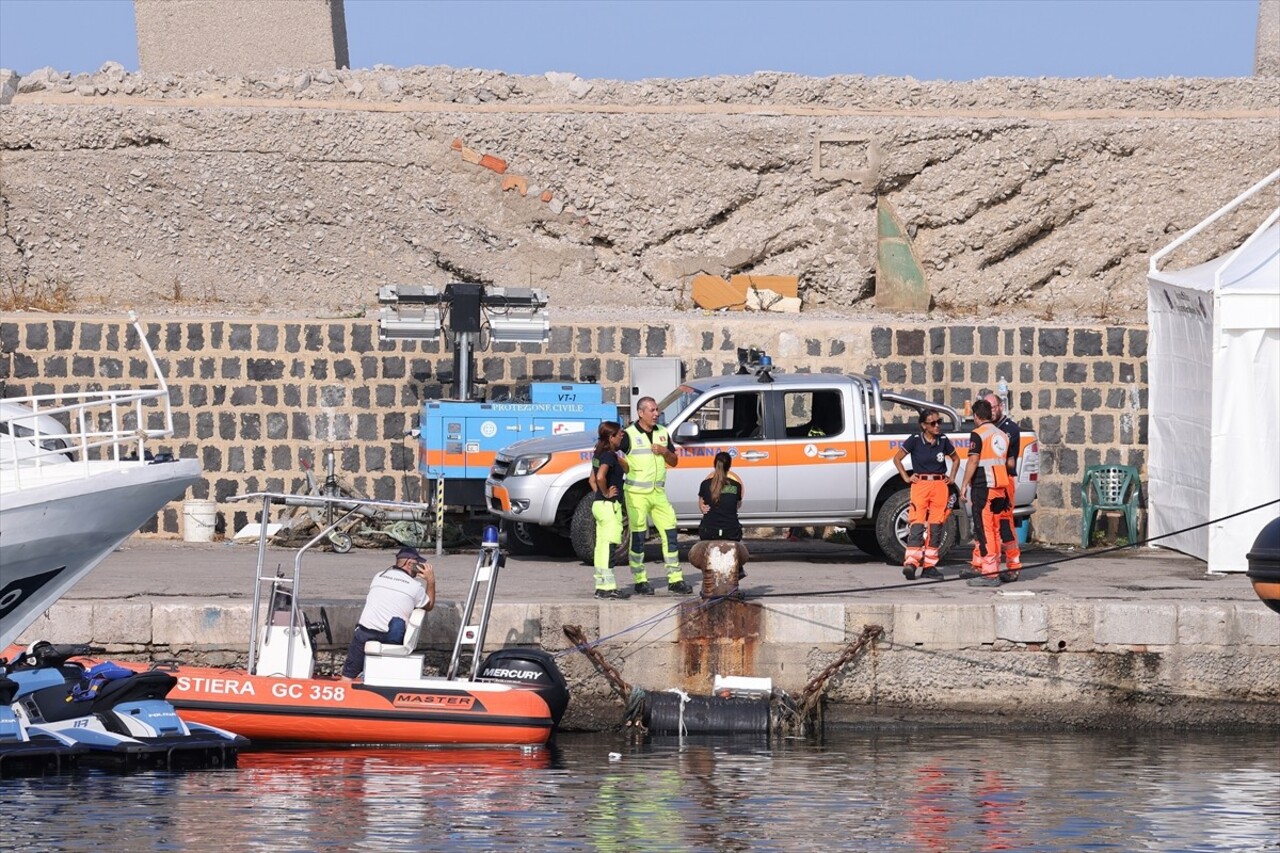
(409, 554)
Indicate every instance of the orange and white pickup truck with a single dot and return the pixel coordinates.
(811, 449)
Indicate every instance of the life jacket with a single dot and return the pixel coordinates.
(95, 679)
(992, 459)
(648, 470)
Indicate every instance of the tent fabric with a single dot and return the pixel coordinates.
(1179, 375)
(1245, 271)
(1214, 401)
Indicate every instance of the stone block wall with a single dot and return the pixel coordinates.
(256, 399)
(1083, 389)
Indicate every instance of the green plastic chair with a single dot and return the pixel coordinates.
(1109, 488)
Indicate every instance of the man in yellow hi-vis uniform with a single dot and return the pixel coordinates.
(648, 449)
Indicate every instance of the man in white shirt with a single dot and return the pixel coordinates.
(394, 594)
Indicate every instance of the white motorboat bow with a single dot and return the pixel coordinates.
(78, 476)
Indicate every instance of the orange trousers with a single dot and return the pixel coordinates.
(993, 532)
(926, 515)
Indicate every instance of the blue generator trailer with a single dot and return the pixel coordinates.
(459, 439)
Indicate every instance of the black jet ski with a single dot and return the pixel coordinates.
(115, 713)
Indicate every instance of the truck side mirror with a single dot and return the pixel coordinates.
(687, 430)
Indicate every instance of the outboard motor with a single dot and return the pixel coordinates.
(532, 668)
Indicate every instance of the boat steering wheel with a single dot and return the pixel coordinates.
(321, 627)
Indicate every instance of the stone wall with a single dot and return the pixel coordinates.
(256, 397)
(1093, 663)
(1266, 57)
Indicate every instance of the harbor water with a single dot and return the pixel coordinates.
(912, 789)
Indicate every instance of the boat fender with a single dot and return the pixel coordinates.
(670, 714)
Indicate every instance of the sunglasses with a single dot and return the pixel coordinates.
(932, 423)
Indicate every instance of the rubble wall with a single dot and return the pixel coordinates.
(257, 398)
(1266, 56)
(300, 194)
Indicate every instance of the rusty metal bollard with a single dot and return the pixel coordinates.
(721, 563)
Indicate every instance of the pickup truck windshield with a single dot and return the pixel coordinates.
(675, 403)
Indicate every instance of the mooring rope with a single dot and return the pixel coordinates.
(643, 623)
(681, 729)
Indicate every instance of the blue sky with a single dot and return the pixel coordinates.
(634, 39)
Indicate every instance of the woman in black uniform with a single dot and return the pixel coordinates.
(719, 497)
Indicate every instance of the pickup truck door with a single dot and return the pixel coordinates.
(821, 454)
(732, 420)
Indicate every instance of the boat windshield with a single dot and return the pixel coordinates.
(675, 403)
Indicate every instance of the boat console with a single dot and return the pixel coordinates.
(285, 645)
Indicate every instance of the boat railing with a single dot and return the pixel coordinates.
(105, 425)
(345, 509)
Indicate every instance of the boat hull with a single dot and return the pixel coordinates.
(55, 531)
(319, 710)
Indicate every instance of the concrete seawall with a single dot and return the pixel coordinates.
(1134, 638)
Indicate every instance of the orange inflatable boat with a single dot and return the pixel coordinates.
(427, 711)
(515, 697)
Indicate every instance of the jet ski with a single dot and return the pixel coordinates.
(116, 714)
(25, 754)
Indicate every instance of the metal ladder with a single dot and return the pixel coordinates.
(488, 563)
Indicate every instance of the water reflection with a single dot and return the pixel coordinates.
(388, 798)
(918, 790)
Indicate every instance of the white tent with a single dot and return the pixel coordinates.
(1213, 362)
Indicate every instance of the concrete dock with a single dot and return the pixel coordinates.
(1134, 637)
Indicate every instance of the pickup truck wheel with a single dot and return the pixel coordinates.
(583, 534)
(525, 540)
(891, 528)
(864, 538)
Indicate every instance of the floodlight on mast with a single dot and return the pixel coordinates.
(473, 315)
